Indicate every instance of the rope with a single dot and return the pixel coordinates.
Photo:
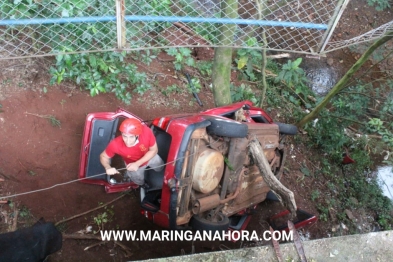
(75, 180)
(80, 179)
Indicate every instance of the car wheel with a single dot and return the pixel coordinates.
(286, 129)
(201, 223)
(228, 128)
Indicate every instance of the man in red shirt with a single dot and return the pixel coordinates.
(138, 148)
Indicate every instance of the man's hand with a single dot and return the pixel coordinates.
(111, 171)
(132, 166)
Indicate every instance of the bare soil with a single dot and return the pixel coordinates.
(34, 154)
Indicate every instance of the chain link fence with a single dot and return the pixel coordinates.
(367, 37)
(30, 28)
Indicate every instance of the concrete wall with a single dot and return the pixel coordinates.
(377, 246)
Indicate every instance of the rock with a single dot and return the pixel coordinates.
(332, 214)
(350, 215)
(330, 61)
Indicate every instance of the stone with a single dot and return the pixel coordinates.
(350, 215)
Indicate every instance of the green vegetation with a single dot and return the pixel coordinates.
(242, 92)
(100, 73)
(182, 57)
(359, 110)
(104, 218)
(249, 59)
(379, 4)
(54, 121)
(24, 212)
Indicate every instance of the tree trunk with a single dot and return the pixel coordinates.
(262, 10)
(263, 71)
(221, 75)
(287, 196)
(344, 80)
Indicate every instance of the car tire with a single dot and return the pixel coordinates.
(227, 128)
(200, 223)
(286, 129)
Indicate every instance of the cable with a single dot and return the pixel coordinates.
(75, 180)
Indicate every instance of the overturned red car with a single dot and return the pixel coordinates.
(210, 181)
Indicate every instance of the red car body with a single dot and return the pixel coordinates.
(173, 135)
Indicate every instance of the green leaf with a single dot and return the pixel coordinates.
(305, 171)
(93, 92)
(93, 61)
(252, 41)
(242, 62)
(296, 63)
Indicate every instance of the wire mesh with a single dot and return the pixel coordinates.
(31, 28)
(369, 36)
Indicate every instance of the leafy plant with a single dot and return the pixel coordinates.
(205, 67)
(103, 218)
(241, 93)
(182, 57)
(248, 58)
(147, 55)
(25, 212)
(54, 121)
(380, 5)
(171, 89)
(101, 73)
(196, 85)
(324, 212)
(315, 195)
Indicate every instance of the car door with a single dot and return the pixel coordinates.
(100, 128)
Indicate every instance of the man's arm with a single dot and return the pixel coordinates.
(153, 150)
(106, 163)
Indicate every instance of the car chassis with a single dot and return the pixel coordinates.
(210, 182)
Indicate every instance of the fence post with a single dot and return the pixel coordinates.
(120, 24)
(339, 10)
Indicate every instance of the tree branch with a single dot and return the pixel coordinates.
(91, 210)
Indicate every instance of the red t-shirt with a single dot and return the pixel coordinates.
(134, 153)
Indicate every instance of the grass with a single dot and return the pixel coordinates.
(51, 119)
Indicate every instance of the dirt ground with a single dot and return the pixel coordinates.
(34, 154)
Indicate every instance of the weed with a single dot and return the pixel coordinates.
(205, 67)
(249, 58)
(103, 218)
(147, 56)
(171, 89)
(62, 102)
(101, 73)
(32, 173)
(241, 93)
(24, 212)
(379, 4)
(324, 212)
(182, 57)
(195, 86)
(54, 121)
(305, 170)
(315, 195)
